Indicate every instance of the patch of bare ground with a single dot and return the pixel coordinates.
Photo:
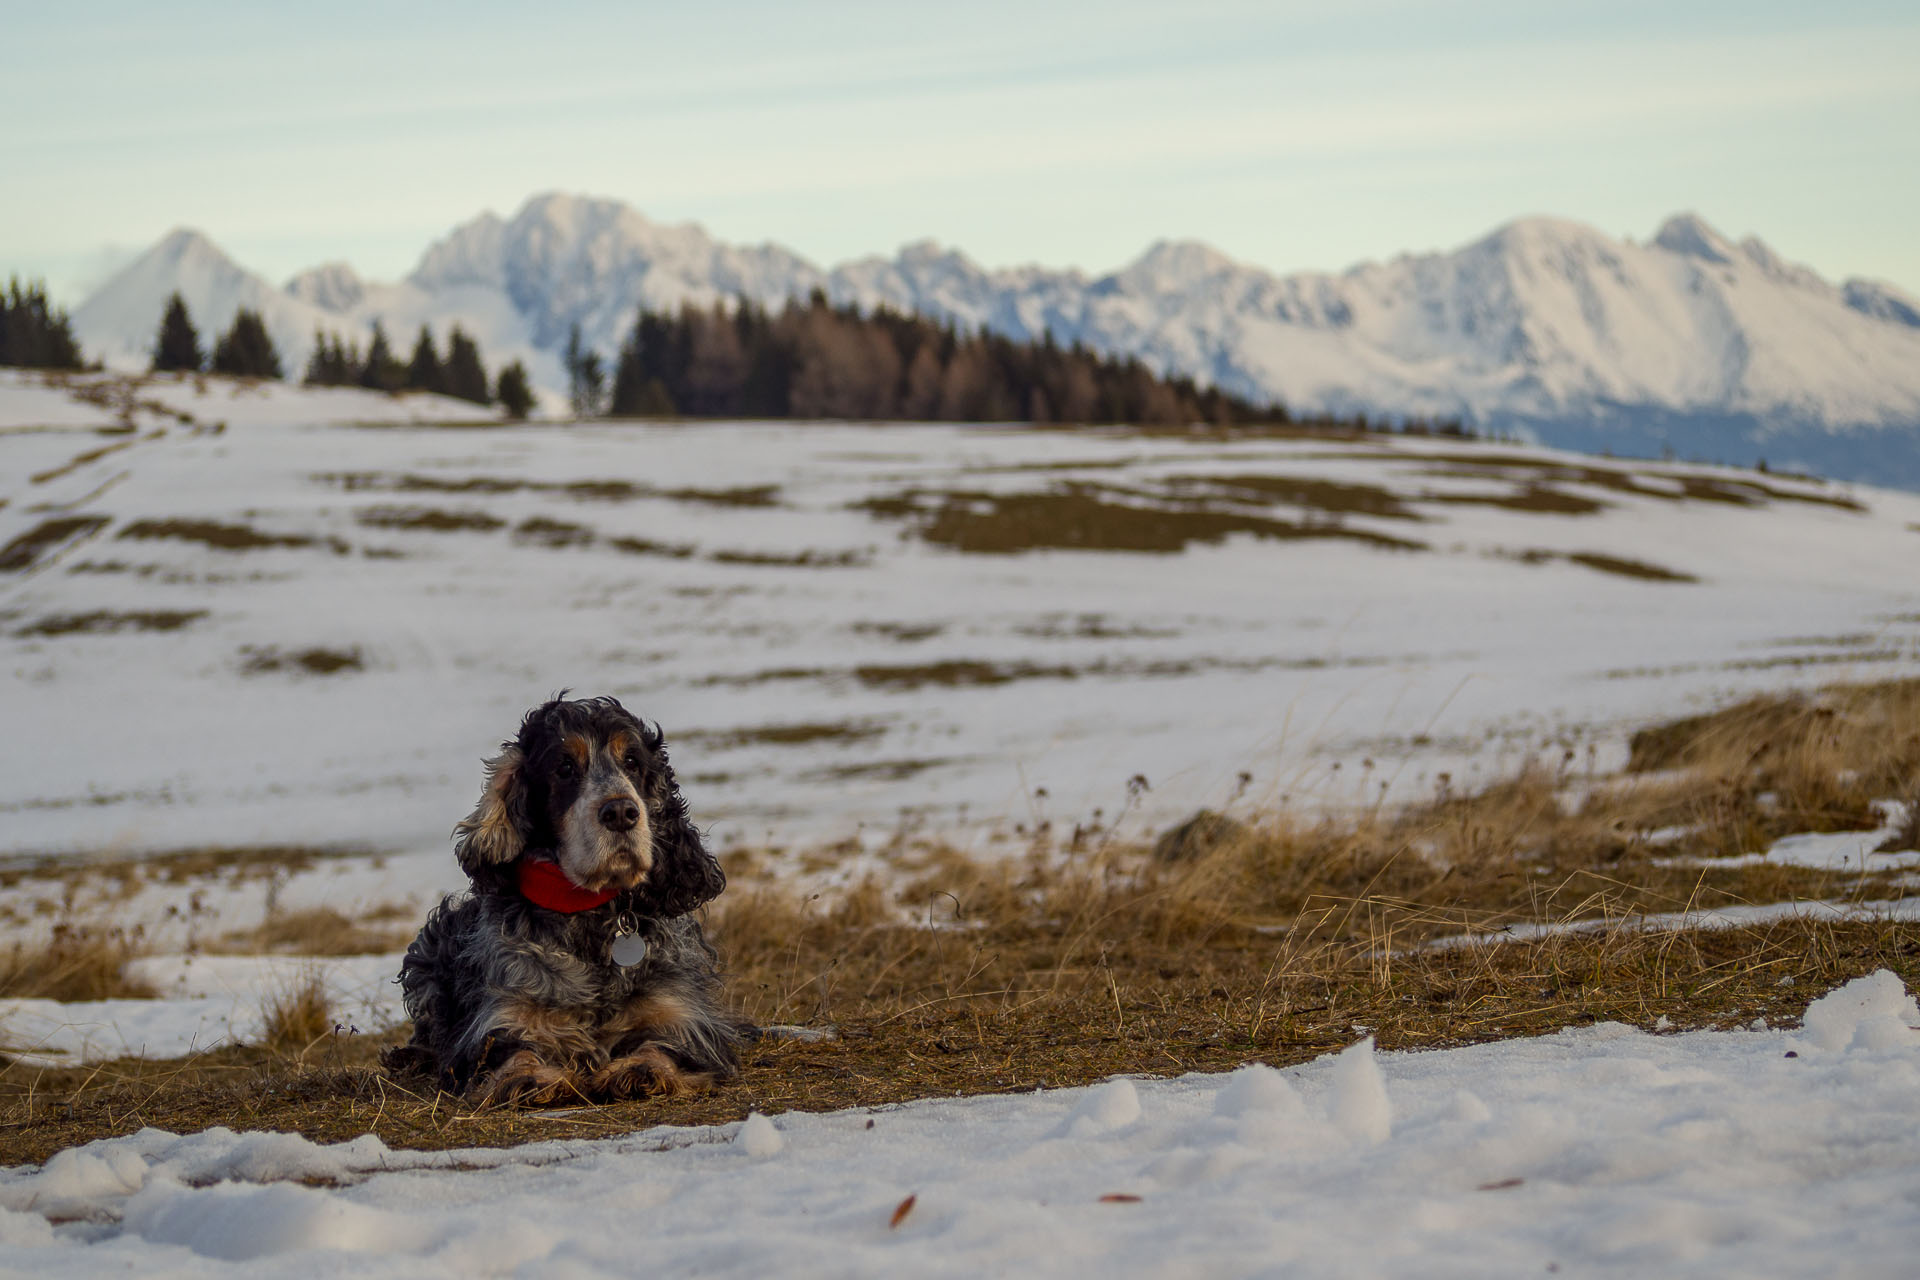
(765, 495)
(108, 622)
(220, 537)
(1619, 566)
(901, 632)
(90, 456)
(1626, 567)
(1660, 483)
(793, 734)
(428, 520)
(237, 863)
(318, 931)
(810, 558)
(649, 547)
(1271, 939)
(1539, 499)
(26, 549)
(1329, 497)
(316, 661)
(1083, 517)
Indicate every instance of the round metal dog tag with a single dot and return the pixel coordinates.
(628, 949)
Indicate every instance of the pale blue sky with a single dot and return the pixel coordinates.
(1291, 135)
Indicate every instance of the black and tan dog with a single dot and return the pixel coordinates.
(573, 970)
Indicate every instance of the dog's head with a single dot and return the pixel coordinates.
(589, 781)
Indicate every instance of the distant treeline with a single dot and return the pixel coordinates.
(815, 360)
(32, 334)
(808, 360)
(243, 351)
(461, 374)
(246, 350)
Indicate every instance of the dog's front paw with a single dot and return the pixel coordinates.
(645, 1073)
(404, 1060)
(524, 1080)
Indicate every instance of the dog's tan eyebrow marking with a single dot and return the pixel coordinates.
(617, 745)
(576, 746)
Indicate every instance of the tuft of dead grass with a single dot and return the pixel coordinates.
(298, 1016)
(74, 963)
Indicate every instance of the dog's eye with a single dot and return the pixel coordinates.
(567, 770)
(633, 761)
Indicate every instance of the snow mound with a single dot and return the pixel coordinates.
(1257, 1089)
(758, 1138)
(1360, 1106)
(1874, 1012)
(1106, 1108)
(237, 1222)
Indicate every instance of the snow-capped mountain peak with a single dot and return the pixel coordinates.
(331, 286)
(1691, 235)
(1544, 325)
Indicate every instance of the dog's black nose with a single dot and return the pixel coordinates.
(620, 814)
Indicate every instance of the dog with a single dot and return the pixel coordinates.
(573, 970)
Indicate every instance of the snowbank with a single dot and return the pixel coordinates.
(1602, 1150)
(205, 1002)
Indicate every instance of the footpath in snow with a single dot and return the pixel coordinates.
(1602, 1150)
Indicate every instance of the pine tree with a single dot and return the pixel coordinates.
(177, 346)
(381, 372)
(245, 350)
(32, 334)
(424, 371)
(466, 376)
(586, 377)
(320, 361)
(513, 392)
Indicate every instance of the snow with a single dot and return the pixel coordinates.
(758, 1138)
(1599, 1150)
(1544, 325)
(1827, 850)
(204, 1002)
(1837, 911)
(1868, 1012)
(1320, 669)
(1360, 1106)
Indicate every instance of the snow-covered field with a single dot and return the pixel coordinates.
(299, 629)
(1601, 1150)
(293, 632)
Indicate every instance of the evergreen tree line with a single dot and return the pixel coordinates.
(32, 334)
(245, 350)
(815, 360)
(461, 373)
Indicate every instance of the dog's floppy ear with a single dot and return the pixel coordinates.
(684, 874)
(496, 832)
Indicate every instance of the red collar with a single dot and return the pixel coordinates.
(544, 884)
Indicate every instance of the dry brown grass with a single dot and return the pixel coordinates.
(1081, 517)
(74, 963)
(317, 931)
(298, 1016)
(1088, 957)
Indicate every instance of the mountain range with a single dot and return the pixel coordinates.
(1689, 342)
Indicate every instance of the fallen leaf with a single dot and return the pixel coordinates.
(1502, 1185)
(901, 1211)
(1119, 1197)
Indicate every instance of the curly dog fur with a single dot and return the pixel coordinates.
(513, 1001)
